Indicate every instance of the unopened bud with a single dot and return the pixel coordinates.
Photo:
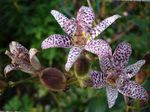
(139, 78)
(82, 66)
(53, 79)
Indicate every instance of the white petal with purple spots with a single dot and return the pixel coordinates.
(99, 47)
(103, 25)
(98, 79)
(56, 40)
(16, 48)
(9, 68)
(72, 57)
(121, 55)
(68, 25)
(133, 90)
(133, 69)
(85, 16)
(112, 94)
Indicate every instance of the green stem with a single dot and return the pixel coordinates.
(12, 84)
(73, 82)
(57, 102)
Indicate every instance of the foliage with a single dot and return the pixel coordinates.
(22, 104)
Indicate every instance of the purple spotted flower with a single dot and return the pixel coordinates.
(22, 59)
(115, 76)
(79, 30)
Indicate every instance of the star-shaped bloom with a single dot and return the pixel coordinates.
(80, 32)
(114, 74)
(22, 59)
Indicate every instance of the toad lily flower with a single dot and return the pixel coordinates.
(115, 76)
(80, 32)
(22, 59)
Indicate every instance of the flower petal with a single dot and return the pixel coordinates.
(72, 57)
(98, 79)
(68, 25)
(103, 25)
(133, 69)
(25, 67)
(122, 54)
(16, 48)
(33, 59)
(103, 50)
(9, 68)
(85, 16)
(56, 40)
(9, 54)
(99, 47)
(133, 90)
(112, 94)
(105, 63)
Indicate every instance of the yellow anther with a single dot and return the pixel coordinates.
(88, 38)
(83, 33)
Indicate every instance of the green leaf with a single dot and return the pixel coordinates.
(23, 103)
(98, 103)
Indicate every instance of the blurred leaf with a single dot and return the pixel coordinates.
(19, 104)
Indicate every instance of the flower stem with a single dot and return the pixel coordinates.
(57, 102)
(89, 3)
(12, 84)
(129, 105)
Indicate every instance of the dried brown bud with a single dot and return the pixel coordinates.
(82, 66)
(139, 78)
(53, 79)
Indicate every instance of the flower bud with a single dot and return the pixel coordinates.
(53, 79)
(82, 66)
(139, 78)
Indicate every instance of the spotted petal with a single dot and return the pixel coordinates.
(56, 40)
(25, 66)
(72, 57)
(98, 79)
(9, 68)
(16, 48)
(33, 59)
(99, 47)
(112, 94)
(9, 54)
(133, 69)
(85, 16)
(103, 50)
(105, 63)
(68, 25)
(122, 54)
(103, 25)
(133, 90)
